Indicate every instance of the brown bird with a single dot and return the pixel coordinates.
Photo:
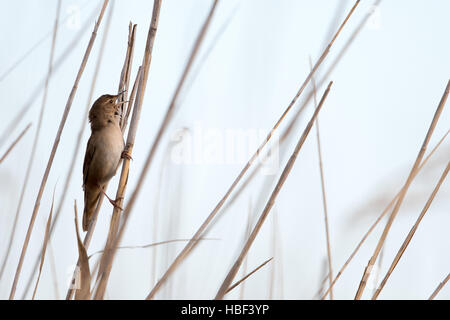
(103, 152)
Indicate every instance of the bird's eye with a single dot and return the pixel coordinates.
(111, 101)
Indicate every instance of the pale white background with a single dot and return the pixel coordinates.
(385, 92)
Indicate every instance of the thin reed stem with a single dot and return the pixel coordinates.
(199, 233)
(83, 290)
(306, 100)
(132, 97)
(53, 152)
(287, 169)
(439, 287)
(124, 83)
(411, 233)
(167, 118)
(237, 283)
(372, 227)
(150, 245)
(32, 97)
(402, 194)
(13, 144)
(76, 150)
(113, 235)
(36, 138)
(31, 160)
(125, 76)
(324, 197)
(330, 69)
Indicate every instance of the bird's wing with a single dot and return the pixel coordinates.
(90, 150)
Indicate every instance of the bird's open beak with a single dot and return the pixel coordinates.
(120, 93)
(117, 96)
(120, 103)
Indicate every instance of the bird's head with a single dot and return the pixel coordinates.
(105, 110)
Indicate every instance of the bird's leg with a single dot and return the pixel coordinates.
(113, 202)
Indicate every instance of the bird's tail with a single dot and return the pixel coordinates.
(91, 196)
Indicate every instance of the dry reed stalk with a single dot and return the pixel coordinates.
(322, 183)
(411, 233)
(104, 270)
(114, 233)
(190, 246)
(295, 118)
(125, 75)
(248, 275)
(287, 169)
(32, 97)
(110, 255)
(381, 217)
(308, 97)
(334, 22)
(82, 128)
(150, 245)
(330, 70)
(408, 182)
(372, 227)
(439, 287)
(79, 138)
(54, 148)
(123, 86)
(86, 242)
(127, 62)
(44, 246)
(36, 137)
(132, 97)
(174, 103)
(13, 144)
(84, 292)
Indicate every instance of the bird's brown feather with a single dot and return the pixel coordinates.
(103, 149)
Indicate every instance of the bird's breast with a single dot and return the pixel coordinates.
(108, 150)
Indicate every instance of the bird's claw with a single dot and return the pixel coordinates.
(115, 203)
(126, 155)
